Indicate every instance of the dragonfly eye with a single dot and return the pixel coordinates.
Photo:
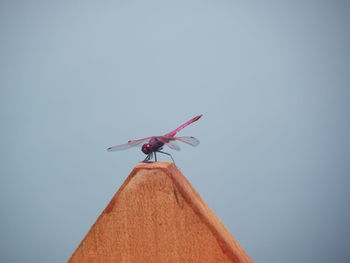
(146, 148)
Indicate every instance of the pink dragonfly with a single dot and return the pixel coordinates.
(152, 145)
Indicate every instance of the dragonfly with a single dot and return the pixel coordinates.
(154, 144)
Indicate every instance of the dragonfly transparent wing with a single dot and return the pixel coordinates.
(188, 139)
(129, 144)
(185, 139)
(168, 141)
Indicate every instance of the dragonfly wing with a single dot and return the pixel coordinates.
(129, 144)
(186, 139)
(168, 141)
(189, 140)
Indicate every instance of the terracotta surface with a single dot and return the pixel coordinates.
(157, 216)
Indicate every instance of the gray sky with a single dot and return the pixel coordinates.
(271, 78)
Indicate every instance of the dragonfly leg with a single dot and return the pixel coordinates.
(155, 156)
(145, 160)
(148, 157)
(167, 154)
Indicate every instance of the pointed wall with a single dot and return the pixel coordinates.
(157, 216)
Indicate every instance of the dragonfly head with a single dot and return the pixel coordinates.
(146, 148)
